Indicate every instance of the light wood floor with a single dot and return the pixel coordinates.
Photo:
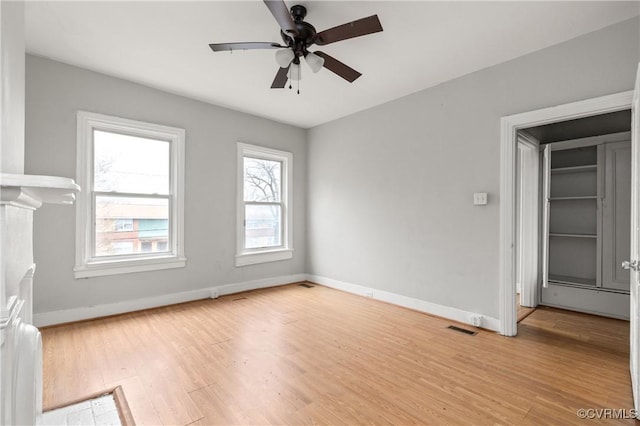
(522, 311)
(295, 355)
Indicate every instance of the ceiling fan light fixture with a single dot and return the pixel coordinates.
(284, 57)
(294, 72)
(314, 61)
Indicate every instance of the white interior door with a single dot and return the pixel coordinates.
(546, 193)
(528, 219)
(635, 245)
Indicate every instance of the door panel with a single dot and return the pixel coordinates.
(616, 215)
(528, 219)
(546, 193)
(635, 242)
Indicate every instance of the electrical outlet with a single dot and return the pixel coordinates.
(475, 320)
(480, 198)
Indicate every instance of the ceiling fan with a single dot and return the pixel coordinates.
(298, 36)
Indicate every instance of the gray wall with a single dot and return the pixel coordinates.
(55, 92)
(391, 188)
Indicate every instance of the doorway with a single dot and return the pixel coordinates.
(584, 213)
(508, 182)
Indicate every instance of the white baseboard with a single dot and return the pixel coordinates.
(78, 314)
(256, 284)
(447, 312)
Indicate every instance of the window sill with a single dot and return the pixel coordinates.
(263, 257)
(97, 269)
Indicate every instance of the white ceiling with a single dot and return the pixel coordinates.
(165, 45)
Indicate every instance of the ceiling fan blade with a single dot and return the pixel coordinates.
(349, 30)
(334, 65)
(220, 47)
(280, 11)
(281, 78)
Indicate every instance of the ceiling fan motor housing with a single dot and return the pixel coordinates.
(306, 32)
(298, 12)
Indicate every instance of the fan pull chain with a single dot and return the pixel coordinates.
(289, 74)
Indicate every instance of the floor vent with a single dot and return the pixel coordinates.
(305, 285)
(239, 298)
(463, 330)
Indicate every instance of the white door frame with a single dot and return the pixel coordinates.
(509, 125)
(528, 198)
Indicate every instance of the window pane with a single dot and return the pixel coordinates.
(262, 226)
(126, 225)
(122, 247)
(130, 164)
(262, 179)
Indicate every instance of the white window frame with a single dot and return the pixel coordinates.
(269, 254)
(88, 265)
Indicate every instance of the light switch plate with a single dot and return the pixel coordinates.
(480, 198)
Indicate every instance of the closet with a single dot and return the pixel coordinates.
(585, 224)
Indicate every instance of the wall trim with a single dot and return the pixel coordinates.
(431, 308)
(91, 312)
(44, 319)
(226, 289)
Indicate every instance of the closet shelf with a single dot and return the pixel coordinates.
(584, 197)
(557, 234)
(575, 169)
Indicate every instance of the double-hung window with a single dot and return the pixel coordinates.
(264, 205)
(130, 209)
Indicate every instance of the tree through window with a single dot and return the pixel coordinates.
(265, 196)
(263, 208)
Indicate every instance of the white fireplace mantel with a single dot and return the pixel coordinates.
(31, 191)
(21, 380)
